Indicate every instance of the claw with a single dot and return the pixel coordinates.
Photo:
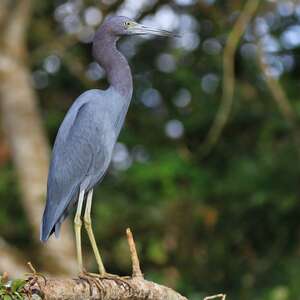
(95, 278)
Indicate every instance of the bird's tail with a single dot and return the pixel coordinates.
(54, 217)
(50, 223)
(46, 227)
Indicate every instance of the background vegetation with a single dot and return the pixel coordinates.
(210, 212)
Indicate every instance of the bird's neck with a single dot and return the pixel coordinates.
(114, 63)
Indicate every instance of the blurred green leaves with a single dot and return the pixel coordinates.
(12, 290)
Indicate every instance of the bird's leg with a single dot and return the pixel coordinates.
(88, 227)
(77, 226)
(91, 277)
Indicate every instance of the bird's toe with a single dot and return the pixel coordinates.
(94, 278)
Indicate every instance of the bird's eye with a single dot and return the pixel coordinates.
(126, 24)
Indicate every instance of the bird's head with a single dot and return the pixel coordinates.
(119, 26)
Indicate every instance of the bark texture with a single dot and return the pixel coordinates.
(101, 289)
(23, 128)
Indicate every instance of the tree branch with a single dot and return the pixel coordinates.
(222, 296)
(86, 287)
(136, 270)
(92, 286)
(276, 89)
(101, 289)
(15, 27)
(4, 12)
(228, 74)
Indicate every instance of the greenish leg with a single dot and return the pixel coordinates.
(77, 226)
(88, 227)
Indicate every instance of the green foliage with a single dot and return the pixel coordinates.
(12, 290)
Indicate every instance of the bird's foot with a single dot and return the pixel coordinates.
(96, 278)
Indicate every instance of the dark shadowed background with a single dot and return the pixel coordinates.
(206, 170)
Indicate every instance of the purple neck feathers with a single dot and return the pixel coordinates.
(114, 63)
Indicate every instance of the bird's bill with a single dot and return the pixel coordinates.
(139, 29)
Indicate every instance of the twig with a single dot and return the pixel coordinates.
(34, 276)
(136, 270)
(228, 75)
(276, 89)
(222, 296)
(32, 269)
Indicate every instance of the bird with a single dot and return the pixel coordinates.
(86, 138)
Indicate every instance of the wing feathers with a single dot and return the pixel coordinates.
(81, 155)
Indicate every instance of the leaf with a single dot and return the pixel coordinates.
(17, 285)
(7, 297)
(18, 295)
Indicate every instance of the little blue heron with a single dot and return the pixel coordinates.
(85, 140)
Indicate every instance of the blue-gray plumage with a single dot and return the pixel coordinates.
(84, 144)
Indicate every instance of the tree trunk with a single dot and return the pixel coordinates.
(24, 131)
